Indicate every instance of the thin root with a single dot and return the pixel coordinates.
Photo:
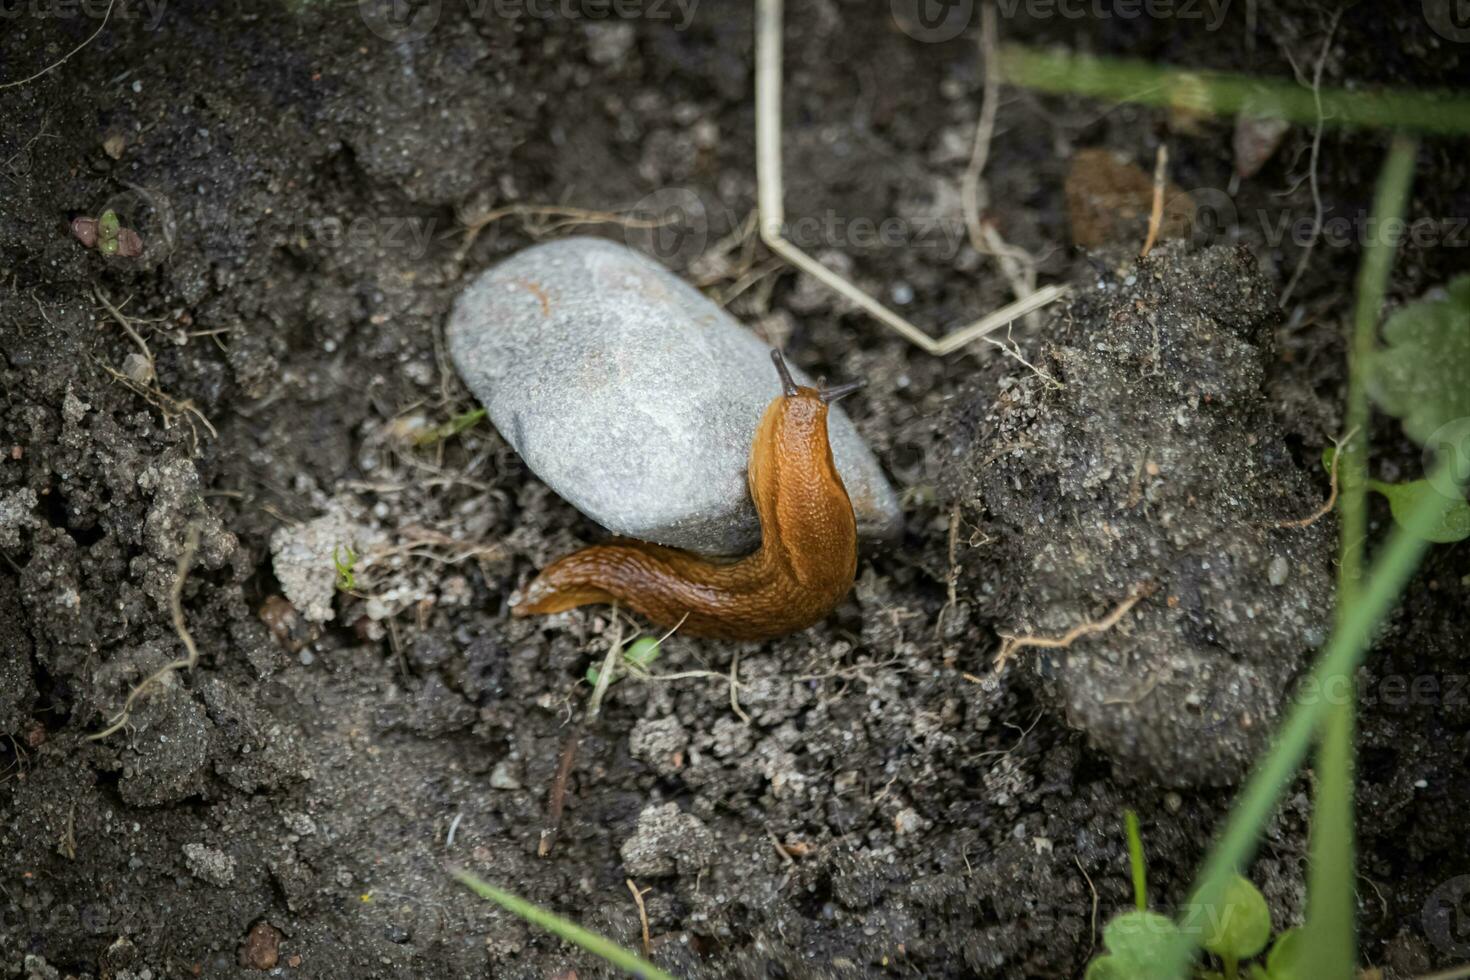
(1156, 213)
(642, 915)
(1331, 500)
(1014, 643)
(191, 652)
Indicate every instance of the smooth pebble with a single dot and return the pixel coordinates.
(633, 396)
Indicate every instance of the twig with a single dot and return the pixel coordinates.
(604, 677)
(1331, 500)
(68, 56)
(952, 579)
(984, 129)
(1014, 643)
(1301, 262)
(557, 798)
(773, 213)
(734, 685)
(642, 916)
(1156, 213)
(127, 326)
(1093, 887)
(191, 652)
(574, 216)
(453, 828)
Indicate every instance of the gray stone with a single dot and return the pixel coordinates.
(633, 396)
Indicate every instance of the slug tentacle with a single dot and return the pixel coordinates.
(805, 565)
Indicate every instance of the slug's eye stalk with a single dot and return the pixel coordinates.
(830, 395)
(788, 385)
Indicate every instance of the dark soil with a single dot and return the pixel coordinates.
(299, 183)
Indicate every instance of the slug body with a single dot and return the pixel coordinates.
(805, 565)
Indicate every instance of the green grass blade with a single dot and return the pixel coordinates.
(1344, 652)
(1329, 941)
(1226, 93)
(570, 931)
(1136, 861)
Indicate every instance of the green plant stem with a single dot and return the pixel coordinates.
(1136, 862)
(1330, 935)
(1254, 806)
(1232, 967)
(570, 931)
(1227, 93)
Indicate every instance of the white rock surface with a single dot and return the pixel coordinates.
(633, 396)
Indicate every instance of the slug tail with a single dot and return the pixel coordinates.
(555, 590)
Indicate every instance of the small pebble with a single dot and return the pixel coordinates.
(634, 397)
(1278, 570)
(505, 775)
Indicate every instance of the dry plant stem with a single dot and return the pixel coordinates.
(191, 652)
(574, 216)
(773, 215)
(1014, 643)
(953, 577)
(984, 129)
(1331, 500)
(127, 326)
(642, 916)
(604, 677)
(556, 800)
(1156, 213)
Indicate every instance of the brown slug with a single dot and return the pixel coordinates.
(805, 564)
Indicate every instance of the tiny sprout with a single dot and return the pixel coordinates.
(641, 654)
(346, 579)
(107, 235)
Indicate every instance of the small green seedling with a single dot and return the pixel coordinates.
(346, 578)
(451, 428)
(1419, 373)
(1405, 498)
(607, 950)
(1234, 931)
(639, 655)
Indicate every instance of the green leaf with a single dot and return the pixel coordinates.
(1107, 968)
(1139, 942)
(1287, 960)
(1420, 374)
(1404, 498)
(1244, 923)
(570, 931)
(1136, 862)
(640, 653)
